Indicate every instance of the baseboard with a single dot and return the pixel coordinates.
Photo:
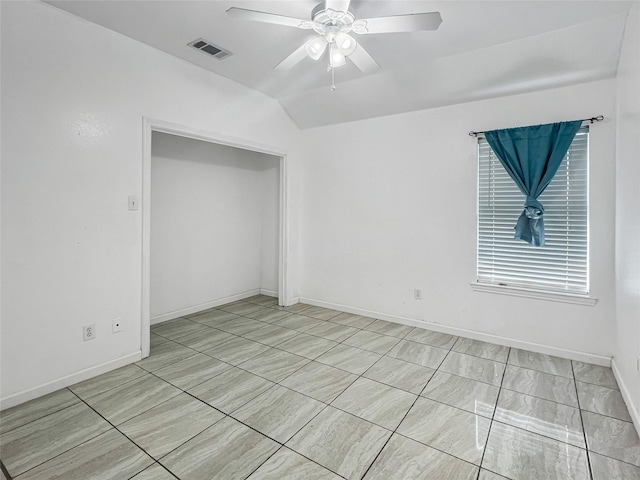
(634, 410)
(268, 293)
(463, 332)
(203, 306)
(49, 387)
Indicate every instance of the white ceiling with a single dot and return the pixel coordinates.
(483, 49)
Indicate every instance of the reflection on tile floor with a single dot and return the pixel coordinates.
(251, 390)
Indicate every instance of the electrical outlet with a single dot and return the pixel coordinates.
(417, 293)
(116, 325)
(89, 332)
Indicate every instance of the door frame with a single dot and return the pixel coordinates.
(149, 126)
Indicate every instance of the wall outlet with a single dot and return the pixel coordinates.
(116, 325)
(417, 293)
(89, 332)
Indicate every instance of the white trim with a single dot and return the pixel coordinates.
(634, 410)
(268, 293)
(535, 294)
(602, 360)
(183, 312)
(148, 127)
(49, 387)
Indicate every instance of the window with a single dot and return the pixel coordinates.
(561, 266)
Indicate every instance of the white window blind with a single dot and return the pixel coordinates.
(562, 264)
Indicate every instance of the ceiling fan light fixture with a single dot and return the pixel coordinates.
(346, 44)
(336, 59)
(315, 47)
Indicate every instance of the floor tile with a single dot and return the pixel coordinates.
(429, 337)
(108, 456)
(154, 472)
(551, 419)
(400, 374)
(226, 451)
(320, 381)
(107, 381)
(475, 397)
(378, 403)
(126, 401)
(611, 437)
(404, 459)
(475, 368)
(175, 330)
(353, 320)
(522, 455)
(588, 373)
(349, 358)
(542, 385)
(274, 364)
(487, 475)
(541, 362)
(241, 308)
(372, 341)
(170, 424)
(418, 353)
(213, 318)
(605, 468)
(192, 371)
(237, 350)
(603, 400)
(286, 464)
(307, 346)
(155, 340)
(451, 430)
(271, 335)
(341, 442)
(268, 315)
(164, 355)
(389, 328)
(205, 339)
(490, 351)
(19, 415)
(36, 442)
(321, 313)
(264, 300)
(231, 389)
(297, 308)
(278, 413)
(332, 331)
(299, 322)
(241, 326)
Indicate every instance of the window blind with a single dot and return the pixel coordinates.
(562, 264)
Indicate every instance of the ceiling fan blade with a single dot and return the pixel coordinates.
(292, 60)
(399, 23)
(361, 59)
(255, 16)
(337, 5)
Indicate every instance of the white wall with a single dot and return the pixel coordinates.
(628, 215)
(389, 204)
(209, 206)
(73, 98)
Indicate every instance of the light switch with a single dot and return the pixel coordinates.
(134, 202)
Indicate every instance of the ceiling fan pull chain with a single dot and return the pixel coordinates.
(333, 79)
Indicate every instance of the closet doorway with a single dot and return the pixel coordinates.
(214, 222)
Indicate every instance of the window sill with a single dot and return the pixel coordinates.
(536, 294)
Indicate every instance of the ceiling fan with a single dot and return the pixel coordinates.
(333, 22)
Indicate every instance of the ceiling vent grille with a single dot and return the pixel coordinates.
(210, 49)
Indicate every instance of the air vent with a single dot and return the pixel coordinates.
(210, 49)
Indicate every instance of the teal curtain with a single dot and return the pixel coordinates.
(531, 156)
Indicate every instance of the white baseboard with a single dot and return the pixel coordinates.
(463, 332)
(634, 410)
(268, 293)
(49, 387)
(203, 306)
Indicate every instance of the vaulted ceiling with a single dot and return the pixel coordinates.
(482, 49)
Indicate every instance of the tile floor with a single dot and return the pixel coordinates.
(254, 391)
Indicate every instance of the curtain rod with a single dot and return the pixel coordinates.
(599, 118)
